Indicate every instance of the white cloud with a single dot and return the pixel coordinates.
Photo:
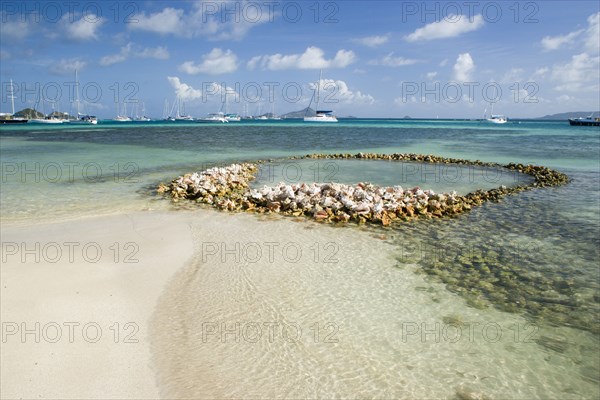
(592, 42)
(83, 29)
(581, 74)
(463, 67)
(214, 63)
(184, 91)
(444, 62)
(513, 75)
(431, 75)
(312, 58)
(216, 89)
(391, 61)
(15, 30)
(113, 59)
(565, 98)
(591, 37)
(67, 66)
(451, 26)
(215, 20)
(337, 91)
(159, 53)
(372, 41)
(541, 72)
(130, 50)
(169, 20)
(555, 42)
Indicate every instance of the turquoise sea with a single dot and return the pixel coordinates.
(527, 267)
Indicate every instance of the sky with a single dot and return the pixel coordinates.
(422, 59)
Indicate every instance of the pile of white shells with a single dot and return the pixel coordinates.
(362, 202)
(211, 184)
(228, 188)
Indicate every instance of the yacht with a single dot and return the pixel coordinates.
(233, 118)
(587, 121)
(494, 118)
(83, 119)
(143, 118)
(124, 117)
(321, 115)
(179, 116)
(6, 118)
(48, 119)
(214, 117)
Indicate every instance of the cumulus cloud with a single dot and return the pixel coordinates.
(513, 75)
(581, 74)
(337, 91)
(312, 58)
(590, 37)
(464, 67)
(67, 66)
(82, 29)
(213, 20)
(541, 72)
(372, 41)
(555, 42)
(184, 91)
(131, 50)
(15, 30)
(214, 63)
(451, 26)
(167, 21)
(592, 33)
(391, 61)
(431, 75)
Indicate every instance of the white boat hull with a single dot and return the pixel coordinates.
(496, 120)
(80, 122)
(321, 118)
(45, 121)
(221, 120)
(122, 119)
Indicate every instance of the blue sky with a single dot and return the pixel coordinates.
(379, 58)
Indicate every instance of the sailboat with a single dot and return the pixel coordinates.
(143, 118)
(124, 117)
(83, 119)
(494, 118)
(6, 118)
(179, 116)
(274, 116)
(48, 119)
(230, 117)
(321, 115)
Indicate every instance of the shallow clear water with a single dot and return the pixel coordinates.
(529, 261)
(437, 177)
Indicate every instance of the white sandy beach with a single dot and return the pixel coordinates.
(223, 305)
(63, 291)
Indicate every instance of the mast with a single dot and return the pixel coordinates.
(319, 88)
(12, 97)
(77, 94)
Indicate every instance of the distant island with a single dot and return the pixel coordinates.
(308, 112)
(567, 115)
